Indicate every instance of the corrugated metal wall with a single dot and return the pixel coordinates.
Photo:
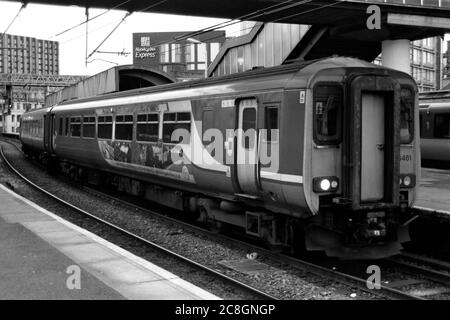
(269, 48)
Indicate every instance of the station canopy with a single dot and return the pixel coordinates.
(115, 79)
(339, 26)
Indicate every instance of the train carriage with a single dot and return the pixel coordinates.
(327, 149)
(435, 133)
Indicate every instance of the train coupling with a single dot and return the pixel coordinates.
(375, 225)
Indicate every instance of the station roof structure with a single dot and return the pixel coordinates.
(119, 78)
(339, 26)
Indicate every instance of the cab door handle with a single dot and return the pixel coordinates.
(380, 146)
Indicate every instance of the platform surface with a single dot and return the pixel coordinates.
(434, 191)
(45, 257)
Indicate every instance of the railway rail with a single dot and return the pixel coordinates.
(317, 268)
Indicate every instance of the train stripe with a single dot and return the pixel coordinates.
(282, 177)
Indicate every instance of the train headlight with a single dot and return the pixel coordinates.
(325, 184)
(407, 180)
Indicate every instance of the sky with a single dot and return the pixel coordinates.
(45, 22)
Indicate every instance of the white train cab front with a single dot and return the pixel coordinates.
(361, 157)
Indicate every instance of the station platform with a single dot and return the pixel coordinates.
(434, 193)
(43, 256)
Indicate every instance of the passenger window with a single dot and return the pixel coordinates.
(124, 127)
(327, 114)
(208, 123)
(406, 115)
(75, 127)
(147, 127)
(60, 129)
(249, 123)
(420, 125)
(442, 126)
(173, 121)
(271, 124)
(89, 127)
(104, 127)
(67, 127)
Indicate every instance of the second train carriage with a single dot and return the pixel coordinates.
(327, 149)
(435, 132)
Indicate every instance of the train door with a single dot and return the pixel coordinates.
(372, 147)
(372, 143)
(247, 147)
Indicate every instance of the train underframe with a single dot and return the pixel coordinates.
(339, 232)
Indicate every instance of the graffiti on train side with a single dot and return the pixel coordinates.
(147, 158)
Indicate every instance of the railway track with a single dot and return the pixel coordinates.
(316, 268)
(257, 293)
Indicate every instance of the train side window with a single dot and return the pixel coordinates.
(60, 129)
(406, 115)
(208, 120)
(173, 121)
(147, 127)
(327, 105)
(248, 123)
(89, 127)
(75, 126)
(420, 125)
(271, 124)
(104, 127)
(67, 127)
(124, 127)
(442, 126)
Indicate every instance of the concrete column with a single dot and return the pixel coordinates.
(395, 55)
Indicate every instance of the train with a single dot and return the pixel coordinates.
(319, 155)
(434, 129)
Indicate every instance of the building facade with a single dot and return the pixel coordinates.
(181, 56)
(20, 54)
(426, 63)
(446, 69)
(29, 70)
(259, 45)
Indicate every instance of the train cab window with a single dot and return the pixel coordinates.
(271, 124)
(60, 128)
(406, 115)
(442, 126)
(147, 127)
(67, 127)
(174, 121)
(75, 127)
(89, 127)
(124, 127)
(104, 127)
(327, 105)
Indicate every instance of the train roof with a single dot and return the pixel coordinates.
(332, 62)
(435, 105)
